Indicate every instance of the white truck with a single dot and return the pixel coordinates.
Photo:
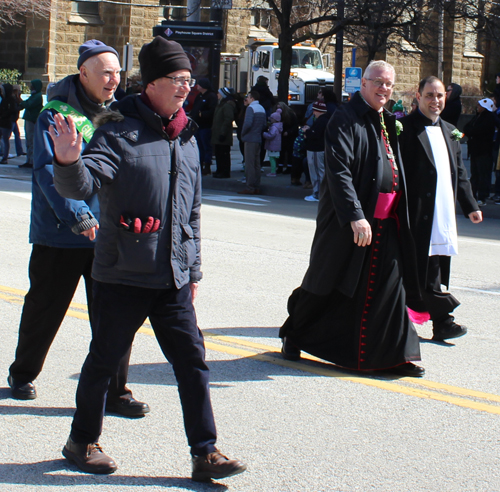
(307, 75)
(262, 56)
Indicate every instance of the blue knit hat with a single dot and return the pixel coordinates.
(91, 48)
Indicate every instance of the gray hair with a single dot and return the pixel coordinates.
(381, 64)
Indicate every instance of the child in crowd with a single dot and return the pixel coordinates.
(273, 140)
(298, 157)
(398, 110)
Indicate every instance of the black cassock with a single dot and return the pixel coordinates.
(370, 330)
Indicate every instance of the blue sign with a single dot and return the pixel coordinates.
(352, 79)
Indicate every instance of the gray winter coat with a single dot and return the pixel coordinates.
(138, 172)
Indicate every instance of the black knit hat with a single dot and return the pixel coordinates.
(91, 48)
(226, 91)
(161, 57)
(204, 83)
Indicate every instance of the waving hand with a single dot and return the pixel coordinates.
(67, 141)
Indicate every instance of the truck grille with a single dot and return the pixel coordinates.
(312, 91)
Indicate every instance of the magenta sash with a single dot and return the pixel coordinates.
(386, 205)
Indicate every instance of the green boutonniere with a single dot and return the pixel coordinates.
(457, 135)
(399, 127)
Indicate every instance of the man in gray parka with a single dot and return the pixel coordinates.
(143, 164)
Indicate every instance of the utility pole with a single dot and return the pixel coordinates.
(440, 43)
(339, 53)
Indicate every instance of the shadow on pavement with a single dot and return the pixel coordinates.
(47, 473)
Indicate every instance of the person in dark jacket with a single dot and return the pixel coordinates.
(480, 131)
(9, 112)
(222, 132)
(266, 98)
(202, 113)
(63, 230)
(16, 92)
(436, 178)
(315, 146)
(143, 164)
(453, 107)
(32, 107)
(351, 307)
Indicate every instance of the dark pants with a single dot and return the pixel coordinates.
(480, 175)
(17, 139)
(54, 275)
(118, 312)
(439, 304)
(6, 132)
(203, 136)
(223, 159)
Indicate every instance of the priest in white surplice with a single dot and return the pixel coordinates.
(436, 178)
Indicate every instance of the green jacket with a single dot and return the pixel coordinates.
(33, 105)
(222, 126)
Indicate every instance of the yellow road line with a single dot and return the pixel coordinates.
(233, 346)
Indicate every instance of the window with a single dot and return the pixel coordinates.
(85, 13)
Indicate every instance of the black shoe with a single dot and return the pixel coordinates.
(89, 458)
(4, 161)
(287, 170)
(279, 170)
(221, 175)
(26, 164)
(22, 391)
(408, 369)
(289, 351)
(215, 466)
(127, 407)
(448, 329)
(206, 169)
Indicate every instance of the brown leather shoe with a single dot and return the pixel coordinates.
(215, 466)
(89, 458)
(246, 191)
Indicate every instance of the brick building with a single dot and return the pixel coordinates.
(48, 48)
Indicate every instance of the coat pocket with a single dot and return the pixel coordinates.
(137, 252)
(188, 245)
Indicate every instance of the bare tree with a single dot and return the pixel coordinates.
(374, 25)
(13, 12)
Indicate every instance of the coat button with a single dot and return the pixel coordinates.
(426, 217)
(428, 194)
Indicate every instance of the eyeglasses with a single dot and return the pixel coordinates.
(380, 83)
(180, 81)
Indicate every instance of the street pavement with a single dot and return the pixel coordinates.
(300, 426)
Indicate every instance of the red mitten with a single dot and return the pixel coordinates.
(137, 225)
(156, 225)
(148, 225)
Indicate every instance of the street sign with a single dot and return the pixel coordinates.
(222, 4)
(352, 79)
(128, 57)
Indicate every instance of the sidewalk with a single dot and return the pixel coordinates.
(278, 187)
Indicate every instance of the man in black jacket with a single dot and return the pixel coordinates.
(202, 113)
(436, 177)
(480, 131)
(315, 147)
(144, 165)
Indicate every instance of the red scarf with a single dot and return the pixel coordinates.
(173, 126)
